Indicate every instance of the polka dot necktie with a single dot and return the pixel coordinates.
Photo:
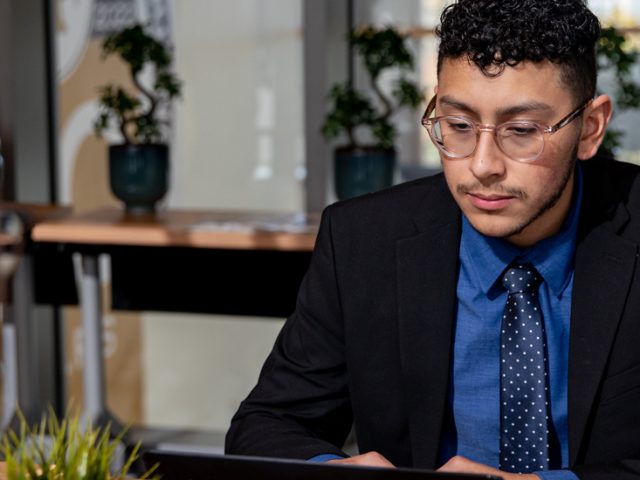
(524, 431)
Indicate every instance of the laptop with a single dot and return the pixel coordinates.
(194, 466)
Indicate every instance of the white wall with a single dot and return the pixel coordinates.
(198, 368)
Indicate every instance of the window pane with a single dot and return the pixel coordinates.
(239, 139)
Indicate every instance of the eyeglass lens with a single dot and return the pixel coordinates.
(458, 138)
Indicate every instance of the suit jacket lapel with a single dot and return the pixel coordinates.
(603, 270)
(427, 276)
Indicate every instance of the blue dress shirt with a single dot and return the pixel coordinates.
(472, 420)
(325, 457)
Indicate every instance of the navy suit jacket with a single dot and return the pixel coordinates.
(371, 337)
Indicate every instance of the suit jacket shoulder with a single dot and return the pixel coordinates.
(398, 211)
(611, 196)
(604, 359)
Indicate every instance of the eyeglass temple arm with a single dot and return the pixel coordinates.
(569, 118)
(430, 108)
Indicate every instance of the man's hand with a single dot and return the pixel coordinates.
(459, 464)
(370, 459)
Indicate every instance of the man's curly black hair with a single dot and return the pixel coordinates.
(494, 34)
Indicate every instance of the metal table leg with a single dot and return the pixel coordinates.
(9, 371)
(91, 309)
(95, 408)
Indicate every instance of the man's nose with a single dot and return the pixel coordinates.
(487, 160)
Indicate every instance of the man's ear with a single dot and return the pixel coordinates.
(595, 119)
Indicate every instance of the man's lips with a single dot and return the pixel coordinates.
(489, 201)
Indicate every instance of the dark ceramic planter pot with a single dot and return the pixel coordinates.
(138, 175)
(362, 170)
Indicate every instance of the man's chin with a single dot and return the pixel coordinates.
(494, 227)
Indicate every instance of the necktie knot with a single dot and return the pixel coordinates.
(521, 278)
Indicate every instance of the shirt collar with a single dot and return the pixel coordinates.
(552, 256)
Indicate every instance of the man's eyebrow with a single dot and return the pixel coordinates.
(458, 105)
(525, 107)
(530, 106)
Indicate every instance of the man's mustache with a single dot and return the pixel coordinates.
(499, 190)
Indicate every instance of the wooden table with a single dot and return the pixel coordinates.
(168, 234)
(189, 228)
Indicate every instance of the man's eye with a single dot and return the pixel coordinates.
(458, 126)
(519, 129)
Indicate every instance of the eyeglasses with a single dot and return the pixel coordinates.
(523, 141)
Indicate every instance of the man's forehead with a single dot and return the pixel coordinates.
(525, 86)
(527, 67)
(515, 108)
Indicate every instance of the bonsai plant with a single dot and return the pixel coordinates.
(615, 54)
(138, 168)
(63, 450)
(366, 162)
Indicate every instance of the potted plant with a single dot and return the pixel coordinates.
(57, 449)
(616, 56)
(138, 168)
(366, 162)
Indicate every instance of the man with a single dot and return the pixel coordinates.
(486, 320)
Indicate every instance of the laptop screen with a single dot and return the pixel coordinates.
(188, 466)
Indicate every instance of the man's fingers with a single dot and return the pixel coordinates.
(460, 464)
(370, 459)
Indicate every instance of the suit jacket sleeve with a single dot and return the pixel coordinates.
(622, 470)
(300, 407)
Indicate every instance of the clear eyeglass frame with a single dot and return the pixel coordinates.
(533, 130)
